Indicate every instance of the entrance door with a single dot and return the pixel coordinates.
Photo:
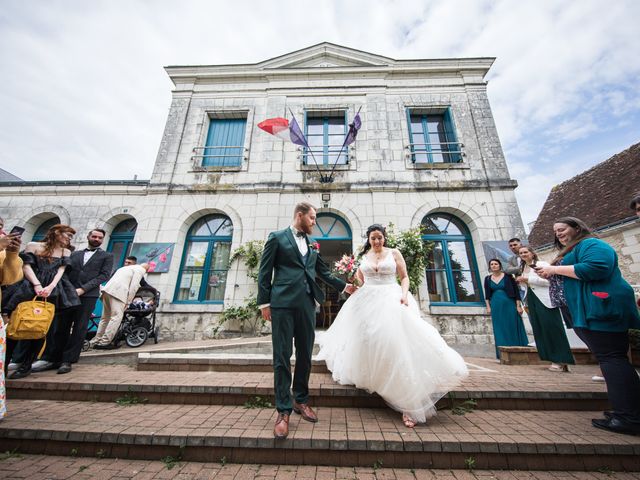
(334, 236)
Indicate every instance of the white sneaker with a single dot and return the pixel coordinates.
(39, 364)
(13, 366)
(597, 378)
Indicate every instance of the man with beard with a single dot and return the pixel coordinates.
(287, 296)
(89, 268)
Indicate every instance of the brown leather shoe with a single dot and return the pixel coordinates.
(281, 428)
(305, 410)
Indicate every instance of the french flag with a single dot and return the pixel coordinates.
(282, 128)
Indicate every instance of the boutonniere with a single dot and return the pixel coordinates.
(314, 246)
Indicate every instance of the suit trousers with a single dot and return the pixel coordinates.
(623, 384)
(288, 325)
(112, 313)
(70, 332)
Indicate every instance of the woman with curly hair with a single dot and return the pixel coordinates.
(44, 267)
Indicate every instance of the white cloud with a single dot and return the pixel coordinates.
(84, 94)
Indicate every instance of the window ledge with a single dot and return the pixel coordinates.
(237, 168)
(327, 168)
(438, 166)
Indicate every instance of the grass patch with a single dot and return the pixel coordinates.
(10, 454)
(257, 402)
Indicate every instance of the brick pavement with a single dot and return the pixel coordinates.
(37, 467)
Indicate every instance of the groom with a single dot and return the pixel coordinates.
(288, 300)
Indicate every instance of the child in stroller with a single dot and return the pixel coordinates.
(139, 321)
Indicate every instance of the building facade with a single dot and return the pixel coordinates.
(427, 153)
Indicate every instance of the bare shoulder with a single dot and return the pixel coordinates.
(66, 252)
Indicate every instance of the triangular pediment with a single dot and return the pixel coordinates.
(326, 55)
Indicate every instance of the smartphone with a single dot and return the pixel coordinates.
(17, 230)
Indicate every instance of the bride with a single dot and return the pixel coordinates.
(380, 343)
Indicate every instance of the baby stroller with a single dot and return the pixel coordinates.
(139, 321)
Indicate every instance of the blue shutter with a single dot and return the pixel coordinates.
(225, 133)
(450, 133)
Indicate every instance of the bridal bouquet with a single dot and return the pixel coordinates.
(348, 266)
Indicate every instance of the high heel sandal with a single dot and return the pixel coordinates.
(408, 421)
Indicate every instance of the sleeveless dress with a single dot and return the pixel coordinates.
(382, 346)
(63, 295)
(508, 329)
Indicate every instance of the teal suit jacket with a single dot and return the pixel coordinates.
(285, 277)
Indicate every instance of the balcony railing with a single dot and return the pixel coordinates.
(220, 159)
(450, 152)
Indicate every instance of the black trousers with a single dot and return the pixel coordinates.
(623, 384)
(30, 350)
(66, 339)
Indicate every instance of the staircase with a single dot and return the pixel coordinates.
(212, 407)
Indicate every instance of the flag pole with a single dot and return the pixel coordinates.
(330, 177)
(306, 144)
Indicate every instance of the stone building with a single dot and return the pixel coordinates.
(428, 153)
(600, 197)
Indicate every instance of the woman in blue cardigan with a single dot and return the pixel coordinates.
(603, 308)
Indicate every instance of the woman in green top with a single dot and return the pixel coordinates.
(603, 309)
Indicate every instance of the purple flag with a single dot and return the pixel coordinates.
(297, 136)
(353, 131)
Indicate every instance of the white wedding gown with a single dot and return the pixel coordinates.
(380, 345)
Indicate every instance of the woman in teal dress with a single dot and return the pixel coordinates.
(505, 307)
(546, 321)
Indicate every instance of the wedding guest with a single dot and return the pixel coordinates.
(603, 307)
(505, 307)
(546, 321)
(44, 267)
(513, 265)
(10, 272)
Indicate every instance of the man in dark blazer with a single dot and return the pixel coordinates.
(89, 268)
(287, 296)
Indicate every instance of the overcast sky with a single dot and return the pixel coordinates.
(84, 95)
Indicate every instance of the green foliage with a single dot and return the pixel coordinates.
(223, 461)
(82, 468)
(130, 399)
(378, 464)
(74, 452)
(462, 408)
(413, 249)
(250, 252)
(248, 316)
(10, 454)
(101, 453)
(470, 463)
(257, 402)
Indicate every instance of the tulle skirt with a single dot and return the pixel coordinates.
(382, 346)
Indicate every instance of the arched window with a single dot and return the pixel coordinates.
(44, 228)
(121, 240)
(452, 270)
(203, 271)
(330, 226)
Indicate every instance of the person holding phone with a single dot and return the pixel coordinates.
(546, 321)
(10, 272)
(603, 308)
(44, 267)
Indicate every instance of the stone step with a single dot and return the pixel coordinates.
(344, 437)
(513, 388)
(529, 356)
(51, 466)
